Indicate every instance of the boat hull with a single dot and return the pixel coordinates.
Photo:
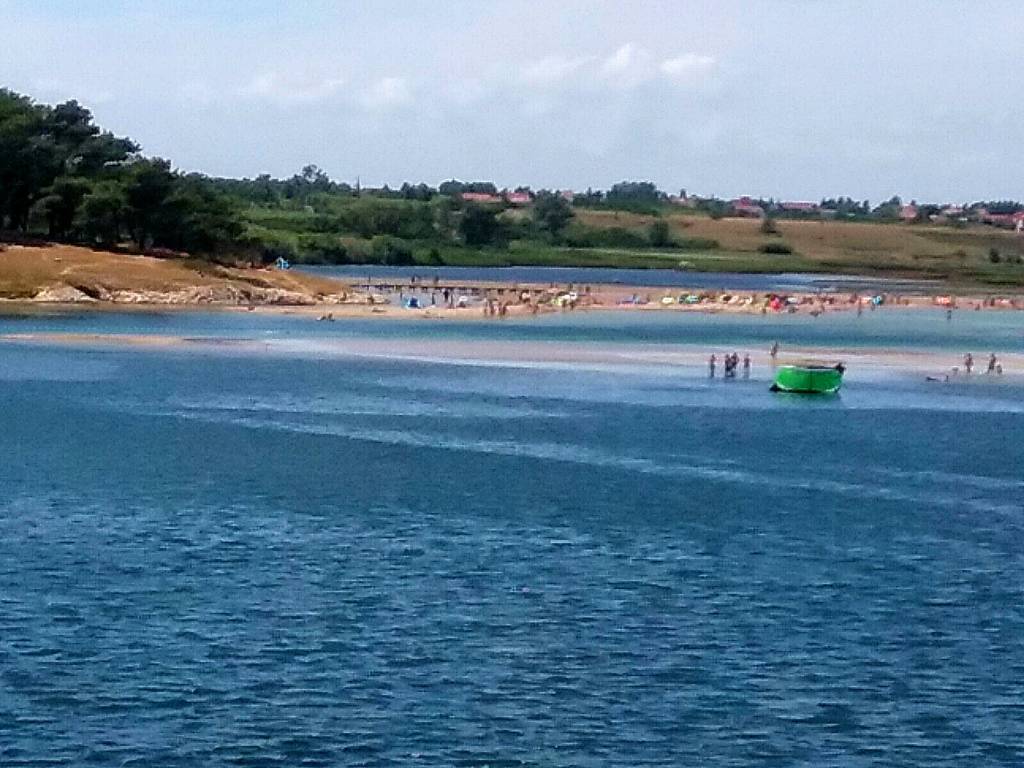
(808, 380)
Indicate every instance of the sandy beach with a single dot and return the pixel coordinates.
(58, 278)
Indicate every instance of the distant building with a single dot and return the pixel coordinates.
(567, 194)
(1008, 220)
(479, 197)
(683, 201)
(519, 198)
(798, 207)
(746, 207)
(908, 212)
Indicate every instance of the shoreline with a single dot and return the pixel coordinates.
(71, 278)
(522, 300)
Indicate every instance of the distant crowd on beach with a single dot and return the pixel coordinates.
(416, 292)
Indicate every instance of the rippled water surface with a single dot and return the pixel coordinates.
(233, 558)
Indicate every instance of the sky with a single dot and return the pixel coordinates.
(794, 99)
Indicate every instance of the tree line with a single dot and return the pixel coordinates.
(64, 178)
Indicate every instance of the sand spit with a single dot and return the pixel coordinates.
(681, 358)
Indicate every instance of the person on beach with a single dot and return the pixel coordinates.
(746, 366)
(711, 366)
(968, 363)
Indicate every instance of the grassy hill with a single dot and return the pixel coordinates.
(913, 250)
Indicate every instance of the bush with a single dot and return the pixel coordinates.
(993, 255)
(322, 249)
(696, 244)
(581, 236)
(659, 235)
(268, 245)
(768, 226)
(358, 250)
(776, 248)
(390, 251)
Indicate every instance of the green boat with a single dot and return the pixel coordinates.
(809, 379)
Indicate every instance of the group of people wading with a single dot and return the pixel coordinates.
(731, 363)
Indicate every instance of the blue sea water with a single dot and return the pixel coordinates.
(217, 556)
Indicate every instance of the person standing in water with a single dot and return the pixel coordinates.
(774, 352)
(968, 362)
(711, 366)
(993, 361)
(746, 366)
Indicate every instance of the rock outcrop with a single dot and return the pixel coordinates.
(62, 294)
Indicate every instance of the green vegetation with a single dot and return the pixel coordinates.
(64, 179)
(780, 248)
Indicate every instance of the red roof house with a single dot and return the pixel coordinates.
(479, 197)
(519, 198)
(744, 206)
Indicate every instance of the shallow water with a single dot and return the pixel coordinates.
(229, 557)
(893, 328)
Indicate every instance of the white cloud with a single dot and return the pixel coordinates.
(687, 66)
(292, 89)
(551, 70)
(387, 92)
(629, 66)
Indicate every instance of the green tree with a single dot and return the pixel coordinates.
(390, 251)
(27, 158)
(634, 192)
(444, 219)
(659, 235)
(104, 211)
(147, 185)
(60, 203)
(551, 214)
(479, 226)
(197, 219)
